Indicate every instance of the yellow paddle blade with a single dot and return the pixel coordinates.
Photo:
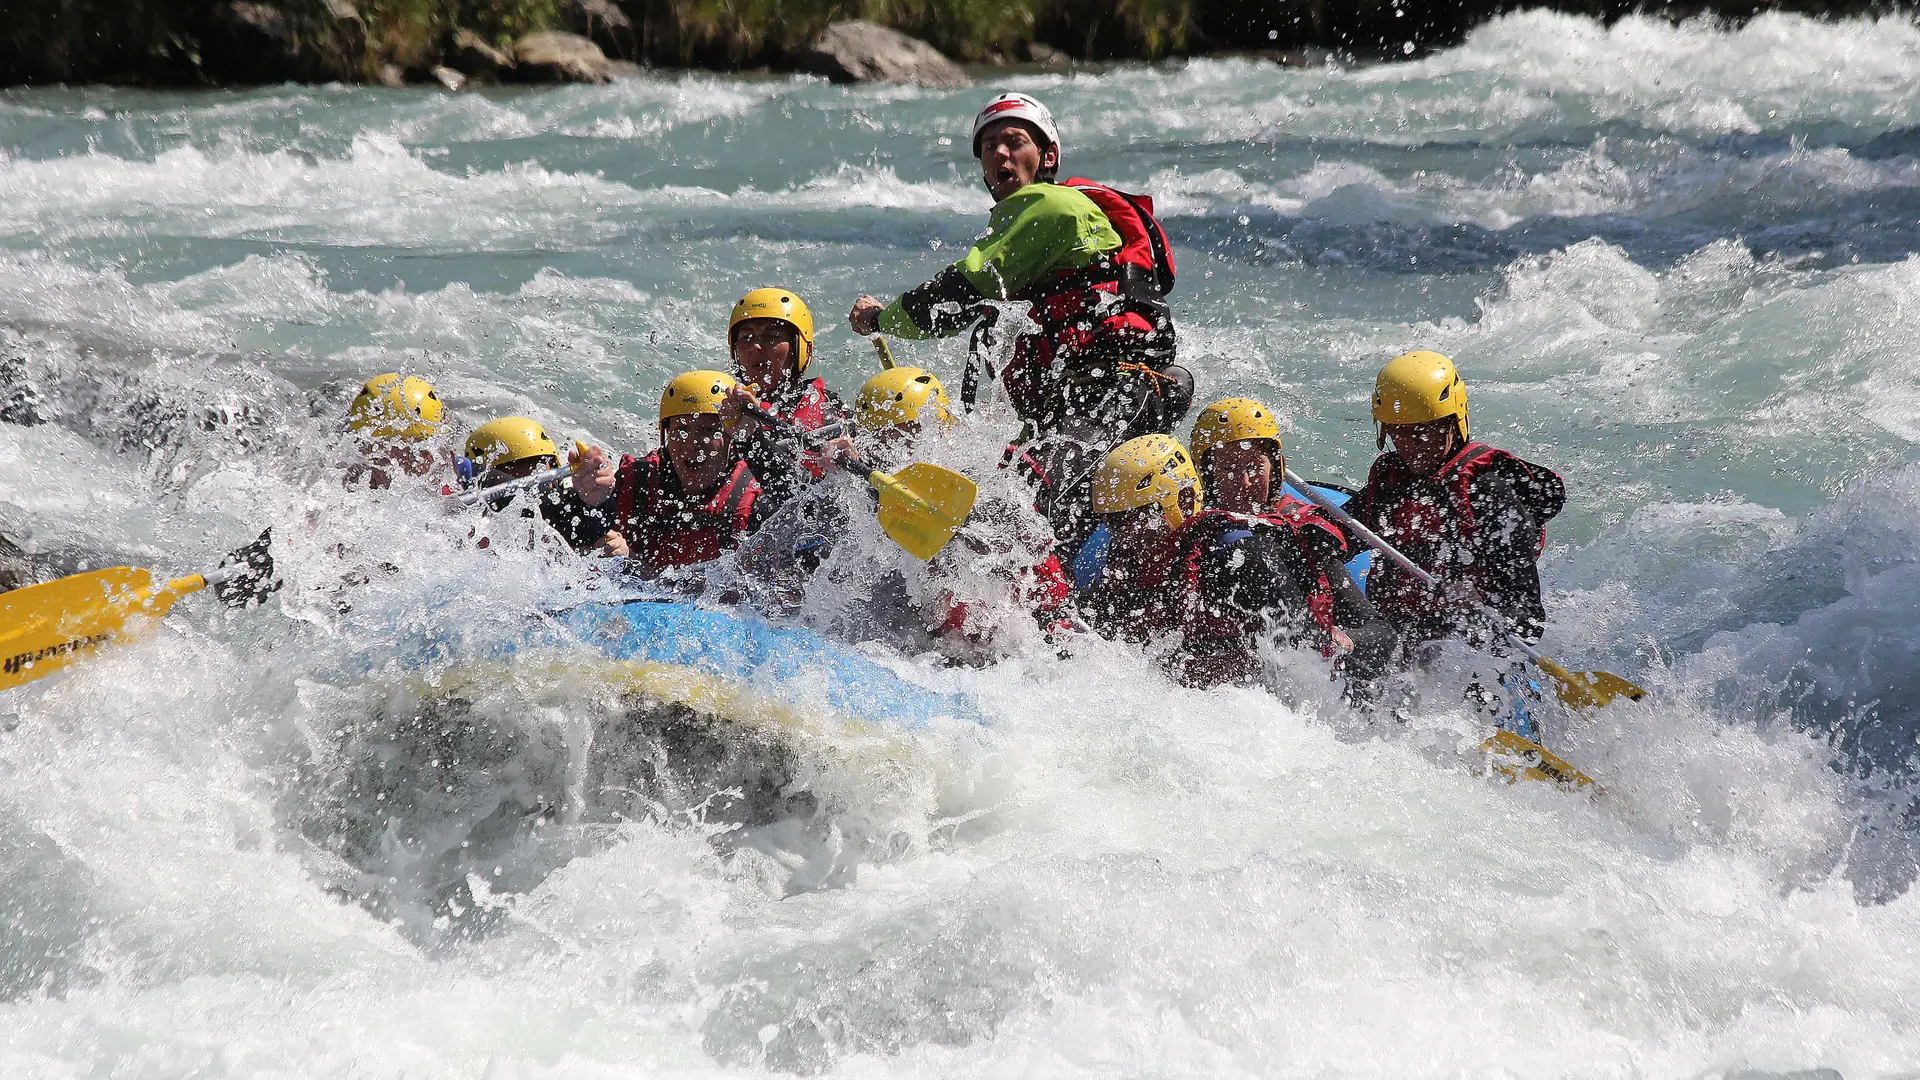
(1517, 759)
(1588, 689)
(922, 506)
(45, 627)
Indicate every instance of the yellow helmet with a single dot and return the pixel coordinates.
(898, 396)
(782, 304)
(1232, 420)
(1417, 387)
(1151, 470)
(390, 407)
(507, 440)
(695, 392)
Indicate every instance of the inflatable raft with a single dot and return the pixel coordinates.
(736, 666)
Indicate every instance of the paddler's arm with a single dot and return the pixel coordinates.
(1036, 231)
(1371, 643)
(583, 505)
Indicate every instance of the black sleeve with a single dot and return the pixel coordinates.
(945, 305)
(1508, 507)
(1374, 642)
(582, 526)
(773, 456)
(835, 407)
(759, 512)
(1253, 580)
(1360, 507)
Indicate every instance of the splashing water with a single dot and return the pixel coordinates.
(1672, 262)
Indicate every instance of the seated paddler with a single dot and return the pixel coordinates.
(1241, 461)
(782, 413)
(394, 421)
(1172, 567)
(687, 502)
(1002, 561)
(1470, 514)
(510, 450)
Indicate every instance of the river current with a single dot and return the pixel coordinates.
(1673, 263)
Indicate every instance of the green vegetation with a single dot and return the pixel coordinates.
(768, 33)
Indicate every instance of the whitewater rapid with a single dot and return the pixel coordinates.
(1673, 263)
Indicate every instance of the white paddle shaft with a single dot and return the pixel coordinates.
(558, 472)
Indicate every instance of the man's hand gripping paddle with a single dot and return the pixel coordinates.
(1578, 689)
(45, 627)
(921, 507)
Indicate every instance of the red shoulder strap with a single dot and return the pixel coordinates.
(1143, 242)
(626, 485)
(1298, 515)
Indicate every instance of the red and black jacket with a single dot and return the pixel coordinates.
(1480, 518)
(1324, 551)
(1223, 580)
(665, 527)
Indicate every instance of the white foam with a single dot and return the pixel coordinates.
(381, 193)
(1122, 875)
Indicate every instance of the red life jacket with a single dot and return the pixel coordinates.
(1114, 308)
(1431, 519)
(809, 413)
(663, 531)
(1302, 522)
(1309, 527)
(1145, 258)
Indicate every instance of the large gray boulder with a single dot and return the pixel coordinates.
(476, 58)
(603, 23)
(860, 51)
(556, 56)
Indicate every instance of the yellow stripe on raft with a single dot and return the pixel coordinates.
(708, 694)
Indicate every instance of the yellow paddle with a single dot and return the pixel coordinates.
(45, 627)
(1578, 689)
(923, 505)
(1518, 758)
(885, 354)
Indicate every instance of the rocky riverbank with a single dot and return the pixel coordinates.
(456, 42)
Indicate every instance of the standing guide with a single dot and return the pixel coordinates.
(1096, 268)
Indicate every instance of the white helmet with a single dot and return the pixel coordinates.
(1015, 107)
